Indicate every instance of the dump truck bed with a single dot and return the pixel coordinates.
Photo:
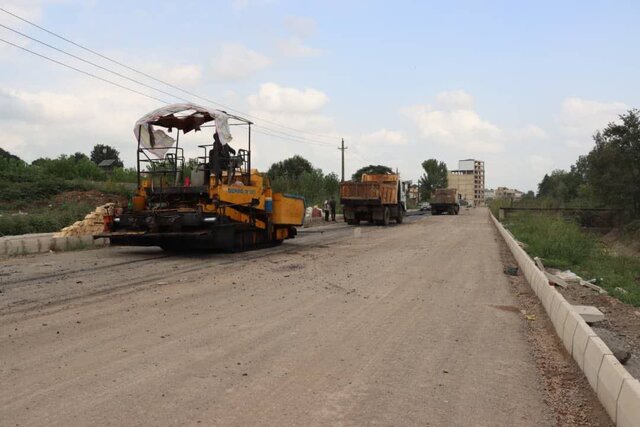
(369, 192)
(445, 196)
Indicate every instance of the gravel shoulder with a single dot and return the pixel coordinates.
(406, 325)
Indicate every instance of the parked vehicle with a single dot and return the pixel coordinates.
(378, 198)
(425, 206)
(445, 200)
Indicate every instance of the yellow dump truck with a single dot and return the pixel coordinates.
(377, 198)
(216, 202)
(445, 200)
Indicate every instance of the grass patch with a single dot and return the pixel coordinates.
(564, 245)
(44, 220)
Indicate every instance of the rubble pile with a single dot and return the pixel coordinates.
(92, 223)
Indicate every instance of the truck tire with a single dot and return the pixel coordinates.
(456, 210)
(451, 210)
(400, 216)
(385, 216)
(354, 221)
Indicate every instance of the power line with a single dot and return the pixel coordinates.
(84, 72)
(268, 132)
(133, 80)
(155, 78)
(94, 64)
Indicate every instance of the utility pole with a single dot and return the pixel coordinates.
(342, 148)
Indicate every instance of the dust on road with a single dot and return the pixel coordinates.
(401, 325)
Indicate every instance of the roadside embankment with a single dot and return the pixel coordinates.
(45, 242)
(617, 390)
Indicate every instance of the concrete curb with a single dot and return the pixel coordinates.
(616, 389)
(42, 243)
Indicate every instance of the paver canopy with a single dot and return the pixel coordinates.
(183, 117)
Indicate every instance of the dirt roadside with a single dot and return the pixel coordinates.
(402, 325)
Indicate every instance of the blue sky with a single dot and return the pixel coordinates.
(521, 85)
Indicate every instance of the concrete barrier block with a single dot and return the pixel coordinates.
(589, 313)
(546, 296)
(534, 284)
(550, 302)
(60, 243)
(594, 353)
(570, 326)
(14, 247)
(29, 246)
(581, 338)
(629, 404)
(559, 316)
(86, 241)
(610, 378)
(540, 282)
(45, 244)
(101, 242)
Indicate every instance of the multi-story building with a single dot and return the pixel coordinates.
(468, 179)
(508, 193)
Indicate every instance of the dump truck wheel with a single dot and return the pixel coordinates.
(456, 210)
(354, 221)
(385, 216)
(400, 216)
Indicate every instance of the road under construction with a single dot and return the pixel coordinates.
(342, 325)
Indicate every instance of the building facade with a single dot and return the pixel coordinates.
(468, 179)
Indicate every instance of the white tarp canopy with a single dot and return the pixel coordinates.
(191, 115)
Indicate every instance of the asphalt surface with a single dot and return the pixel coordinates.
(411, 324)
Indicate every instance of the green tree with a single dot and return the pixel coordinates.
(613, 166)
(435, 176)
(102, 152)
(371, 169)
(293, 167)
(7, 155)
(80, 157)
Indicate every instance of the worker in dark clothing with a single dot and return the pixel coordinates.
(332, 205)
(220, 156)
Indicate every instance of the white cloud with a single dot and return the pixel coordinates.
(241, 5)
(51, 123)
(185, 74)
(294, 47)
(540, 164)
(454, 100)
(299, 109)
(274, 98)
(302, 26)
(236, 61)
(453, 122)
(580, 118)
(28, 9)
(384, 136)
(530, 133)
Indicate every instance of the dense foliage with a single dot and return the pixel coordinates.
(609, 175)
(27, 190)
(102, 152)
(296, 175)
(371, 169)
